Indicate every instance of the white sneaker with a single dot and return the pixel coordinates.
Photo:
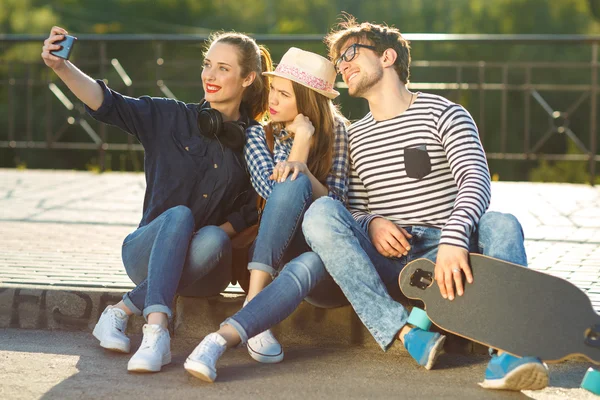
(110, 330)
(265, 348)
(154, 352)
(202, 362)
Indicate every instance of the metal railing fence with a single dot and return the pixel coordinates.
(533, 97)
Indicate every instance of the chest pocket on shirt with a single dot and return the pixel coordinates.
(417, 162)
(194, 148)
(192, 145)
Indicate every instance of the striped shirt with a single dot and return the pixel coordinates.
(261, 161)
(424, 167)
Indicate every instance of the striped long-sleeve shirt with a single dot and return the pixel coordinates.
(424, 167)
(261, 161)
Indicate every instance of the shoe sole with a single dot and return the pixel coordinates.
(144, 366)
(265, 359)
(200, 371)
(435, 352)
(531, 376)
(112, 346)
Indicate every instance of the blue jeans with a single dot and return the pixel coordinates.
(280, 236)
(166, 256)
(370, 280)
(280, 249)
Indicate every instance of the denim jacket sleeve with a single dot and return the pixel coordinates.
(245, 213)
(143, 117)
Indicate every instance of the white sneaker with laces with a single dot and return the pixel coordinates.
(265, 348)
(154, 352)
(110, 330)
(203, 360)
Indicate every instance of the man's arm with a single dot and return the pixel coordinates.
(468, 164)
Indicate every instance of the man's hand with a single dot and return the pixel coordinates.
(388, 239)
(283, 169)
(450, 263)
(50, 60)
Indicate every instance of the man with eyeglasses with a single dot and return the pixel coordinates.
(419, 187)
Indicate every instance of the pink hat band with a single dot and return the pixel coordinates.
(304, 78)
(309, 70)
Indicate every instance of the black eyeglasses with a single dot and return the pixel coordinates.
(350, 53)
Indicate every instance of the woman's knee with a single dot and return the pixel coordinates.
(207, 269)
(301, 183)
(209, 243)
(214, 235)
(300, 187)
(180, 216)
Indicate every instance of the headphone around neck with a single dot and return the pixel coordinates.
(231, 134)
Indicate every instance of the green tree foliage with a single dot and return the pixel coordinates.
(293, 16)
(26, 16)
(318, 17)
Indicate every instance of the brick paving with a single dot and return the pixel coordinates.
(65, 228)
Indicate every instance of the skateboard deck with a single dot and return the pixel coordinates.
(511, 308)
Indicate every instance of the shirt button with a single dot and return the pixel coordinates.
(205, 195)
(216, 166)
(187, 148)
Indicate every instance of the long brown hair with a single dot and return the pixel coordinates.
(324, 116)
(251, 58)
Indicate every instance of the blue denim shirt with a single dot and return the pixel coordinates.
(182, 166)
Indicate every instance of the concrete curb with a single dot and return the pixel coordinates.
(78, 309)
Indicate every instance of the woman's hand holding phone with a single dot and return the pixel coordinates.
(81, 85)
(52, 61)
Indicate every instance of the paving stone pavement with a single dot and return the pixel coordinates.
(65, 228)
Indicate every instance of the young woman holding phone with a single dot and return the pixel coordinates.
(198, 192)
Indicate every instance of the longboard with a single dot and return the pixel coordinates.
(511, 308)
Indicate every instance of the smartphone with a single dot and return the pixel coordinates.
(67, 45)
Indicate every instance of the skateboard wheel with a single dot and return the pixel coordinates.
(591, 381)
(419, 319)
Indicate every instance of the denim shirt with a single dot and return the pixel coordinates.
(182, 167)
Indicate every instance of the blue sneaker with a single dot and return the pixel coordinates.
(513, 373)
(424, 346)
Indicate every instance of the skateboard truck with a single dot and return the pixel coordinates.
(421, 279)
(592, 336)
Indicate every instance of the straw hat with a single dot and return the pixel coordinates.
(308, 69)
